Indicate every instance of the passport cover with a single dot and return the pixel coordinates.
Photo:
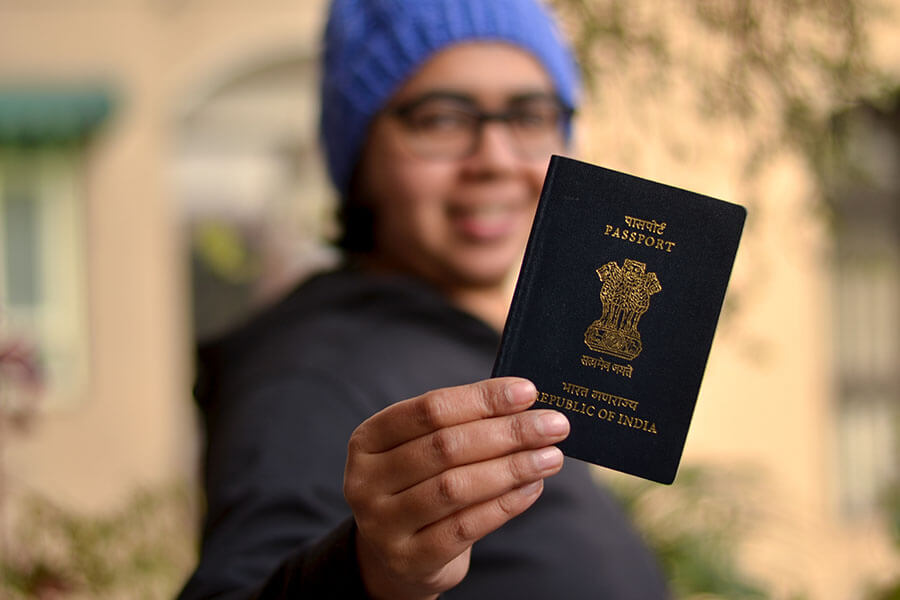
(615, 309)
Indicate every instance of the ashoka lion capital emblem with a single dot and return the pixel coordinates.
(625, 296)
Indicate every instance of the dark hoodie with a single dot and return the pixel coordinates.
(280, 398)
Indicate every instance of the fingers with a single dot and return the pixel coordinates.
(442, 408)
(432, 548)
(428, 476)
(476, 441)
(456, 533)
(457, 489)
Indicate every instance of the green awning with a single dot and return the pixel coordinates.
(51, 115)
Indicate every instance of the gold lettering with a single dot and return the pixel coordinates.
(635, 225)
(645, 225)
(607, 414)
(563, 403)
(597, 363)
(637, 423)
(613, 400)
(577, 390)
(551, 399)
(624, 370)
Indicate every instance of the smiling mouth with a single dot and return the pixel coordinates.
(486, 222)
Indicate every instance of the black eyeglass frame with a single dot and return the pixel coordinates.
(481, 117)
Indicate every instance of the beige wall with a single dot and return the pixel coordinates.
(134, 424)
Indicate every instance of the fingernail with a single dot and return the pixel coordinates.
(552, 423)
(530, 489)
(548, 458)
(521, 393)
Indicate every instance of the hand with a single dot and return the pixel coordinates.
(429, 476)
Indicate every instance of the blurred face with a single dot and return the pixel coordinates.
(453, 166)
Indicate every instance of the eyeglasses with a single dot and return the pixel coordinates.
(447, 126)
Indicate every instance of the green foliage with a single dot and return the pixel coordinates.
(776, 69)
(743, 85)
(891, 589)
(143, 551)
(890, 592)
(223, 249)
(695, 527)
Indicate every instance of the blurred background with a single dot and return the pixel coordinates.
(160, 180)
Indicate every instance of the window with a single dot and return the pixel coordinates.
(42, 264)
(864, 186)
(868, 303)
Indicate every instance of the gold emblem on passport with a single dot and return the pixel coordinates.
(625, 297)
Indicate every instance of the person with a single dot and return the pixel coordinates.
(356, 446)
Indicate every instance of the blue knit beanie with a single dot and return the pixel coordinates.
(373, 46)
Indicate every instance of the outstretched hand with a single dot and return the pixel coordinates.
(429, 476)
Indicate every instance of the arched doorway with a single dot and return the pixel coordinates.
(252, 187)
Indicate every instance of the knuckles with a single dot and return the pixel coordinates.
(356, 443)
(446, 446)
(450, 488)
(432, 409)
(464, 529)
(509, 506)
(435, 409)
(520, 469)
(519, 429)
(354, 487)
(488, 395)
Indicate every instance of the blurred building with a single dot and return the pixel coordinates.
(159, 178)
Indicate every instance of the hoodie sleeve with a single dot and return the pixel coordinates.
(277, 524)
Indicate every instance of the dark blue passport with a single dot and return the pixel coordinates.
(615, 309)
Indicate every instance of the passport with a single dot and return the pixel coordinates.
(615, 309)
